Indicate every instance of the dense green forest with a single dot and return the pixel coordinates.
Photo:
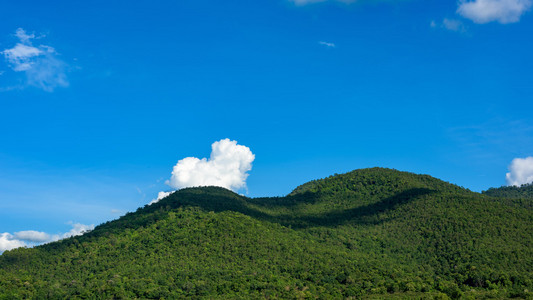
(513, 192)
(371, 233)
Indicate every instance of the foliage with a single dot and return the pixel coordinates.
(521, 195)
(372, 233)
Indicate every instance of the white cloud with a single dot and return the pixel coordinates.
(453, 25)
(521, 171)
(33, 236)
(20, 56)
(8, 242)
(78, 229)
(449, 24)
(305, 2)
(160, 196)
(227, 167)
(40, 64)
(503, 11)
(23, 36)
(327, 44)
(48, 73)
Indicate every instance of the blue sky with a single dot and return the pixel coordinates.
(99, 100)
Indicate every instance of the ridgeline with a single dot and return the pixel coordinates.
(371, 233)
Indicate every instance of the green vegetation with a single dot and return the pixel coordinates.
(373, 233)
(522, 195)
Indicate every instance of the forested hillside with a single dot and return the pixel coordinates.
(368, 233)
(516, 192)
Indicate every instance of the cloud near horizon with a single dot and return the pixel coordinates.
(9, 242)
(485, 11)
(226, 167)
(28, 238)
(41, 65)
(520, 171)
(160, 196)
(33, 236)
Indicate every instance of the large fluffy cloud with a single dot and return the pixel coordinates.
(484, 11)
(520, 171)
(226, 167)
(40, 64)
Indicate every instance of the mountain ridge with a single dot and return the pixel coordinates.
(365, 233)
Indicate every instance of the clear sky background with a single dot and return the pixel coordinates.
(100, 99)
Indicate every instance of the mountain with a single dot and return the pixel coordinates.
(371, 233)
(524, 192)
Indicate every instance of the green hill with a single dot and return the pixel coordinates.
(371, 233)
(525, 191)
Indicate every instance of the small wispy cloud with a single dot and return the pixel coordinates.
(23, 36)
(485, 11)
(20, 56)
(453, 25)
(520, 171)
(449, 24)
(327, 44)
(40, 64)
(306, 2)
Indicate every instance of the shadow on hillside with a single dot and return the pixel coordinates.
(363, 215)
(219, 200)
(287, 201)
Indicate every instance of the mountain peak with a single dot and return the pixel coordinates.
(380, 178)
